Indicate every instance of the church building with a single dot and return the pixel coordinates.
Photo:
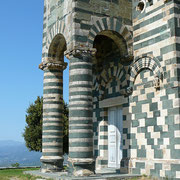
(124, 84)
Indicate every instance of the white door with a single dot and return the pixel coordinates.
(115, 121)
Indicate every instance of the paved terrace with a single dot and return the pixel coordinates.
(103, 175)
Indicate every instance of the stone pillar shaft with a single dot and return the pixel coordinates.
(52, 133)
(81, 160)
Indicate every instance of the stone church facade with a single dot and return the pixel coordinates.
(124, 73)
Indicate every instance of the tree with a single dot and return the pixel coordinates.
(15, 165)
(65, 127)
(33, 130)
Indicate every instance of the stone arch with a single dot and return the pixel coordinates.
(58, 28)
(145, 62)
(106, 75)
(114, 25)
(57, 48)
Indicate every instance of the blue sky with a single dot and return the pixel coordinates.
(21, 81)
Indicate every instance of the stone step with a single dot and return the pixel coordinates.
(108, 171)
(99, 176)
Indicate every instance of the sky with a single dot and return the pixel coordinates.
(21, 28)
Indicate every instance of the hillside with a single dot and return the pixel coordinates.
(13, 151)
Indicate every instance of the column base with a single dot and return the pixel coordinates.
(81, 166)
(51, 164)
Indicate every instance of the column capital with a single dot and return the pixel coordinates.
(79, 52)
(51, 64)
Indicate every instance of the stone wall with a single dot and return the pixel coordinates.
(114, 82)
(151, 113)
(88, 12)
(57, 17)
(154, 103)
(75, 20)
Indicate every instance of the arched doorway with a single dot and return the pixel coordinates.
(109, 71)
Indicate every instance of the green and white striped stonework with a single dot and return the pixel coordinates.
(114, 25)
(145, 62)
(155, 113)
(52, 134)
(142, 77)
(150, 113)
(80, 115)
(79, 18)
(113, 82)
(57, 14)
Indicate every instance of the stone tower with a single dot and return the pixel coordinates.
(123, 85)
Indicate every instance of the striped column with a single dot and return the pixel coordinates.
(52, 133)
(81, 161)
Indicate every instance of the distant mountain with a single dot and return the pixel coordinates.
(16, 152)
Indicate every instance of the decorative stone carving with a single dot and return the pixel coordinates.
(156, 83)
(78, 52)
(128, 58)
(52, 65)
(129, 90)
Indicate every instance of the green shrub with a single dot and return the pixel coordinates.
(16, 165)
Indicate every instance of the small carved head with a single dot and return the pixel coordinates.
(156, 83)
